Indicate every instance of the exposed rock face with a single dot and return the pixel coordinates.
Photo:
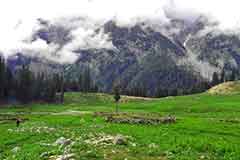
(142, 57)
(149, 57)
(218, 50)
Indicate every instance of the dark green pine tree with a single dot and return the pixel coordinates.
(87, 80)
(223, 78)
(9, 83)
(233, 75)
(117, 96)
(215, 79)
(44, 88)
(51, 89)
(2, 78)
(174, 92)
(159, 92)
(80, 83)
(57, 80)
(36, 88)
(25, 85)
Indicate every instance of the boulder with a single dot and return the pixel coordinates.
(119, 140)
(16, 149)
(63, 141)
(66, 157)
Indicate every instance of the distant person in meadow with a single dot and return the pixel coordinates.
(18, 121)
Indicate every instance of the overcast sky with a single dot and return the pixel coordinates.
(18, 18)
(227, 11)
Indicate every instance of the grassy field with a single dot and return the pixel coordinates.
(207, 127)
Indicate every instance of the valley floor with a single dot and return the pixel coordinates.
(207, 127)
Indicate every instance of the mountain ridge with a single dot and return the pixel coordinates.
(145, 57)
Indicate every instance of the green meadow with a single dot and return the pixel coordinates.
(207, 127)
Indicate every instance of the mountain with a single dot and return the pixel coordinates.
(177, 55)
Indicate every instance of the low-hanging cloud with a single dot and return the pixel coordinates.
(78, 24)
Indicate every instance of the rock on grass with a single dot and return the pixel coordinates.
(16, 149)
(62, 142)
(63, 157)
(120, 140)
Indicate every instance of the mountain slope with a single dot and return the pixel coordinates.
(146, 57)
(226, 88)
(142, 58)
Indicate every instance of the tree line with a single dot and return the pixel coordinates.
(225, 76)
(83, 83)
(141, 90)
(24, 86)
(159, 91)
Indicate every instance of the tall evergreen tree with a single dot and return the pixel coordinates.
(62, 91)
(117, 96)
(2, 78)
(87, 80)
(24, 91)
(51, 90)
(215, 79)
(222, 77)
(80, 83)
(233, 75)
(9, 83)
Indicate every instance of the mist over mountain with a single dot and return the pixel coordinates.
(164, 44)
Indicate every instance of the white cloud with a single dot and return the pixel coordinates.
(18, 20)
